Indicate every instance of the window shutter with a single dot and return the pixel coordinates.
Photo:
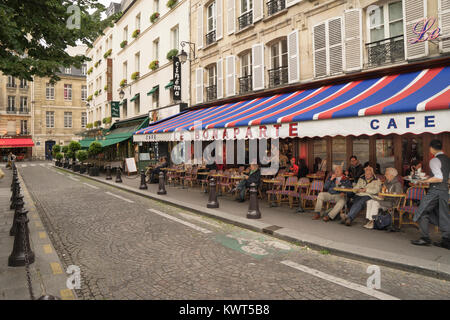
(231, 16)
(444, 24)
(200, 27)
(219, 20)
(290, 3)
(335, 45)
(219, 79)
(231, 76)
(258, 10)
(414, 11)
(353, 40)
(258, 66)
(199, 85)
(293, 58)
(320, 50)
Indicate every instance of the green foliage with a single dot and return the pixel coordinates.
(89, 98)
(89, 125)
(35, 35)
(96, 93)
(74, 146)
(171, 3)
(94, 149)
(105, 87)
(123, 83)
(107, 120)
(135, 75)
(97, 123)
(70, 154)
(56, 149)
(123, 43)
(107, 53)
(172, 53)
(154, 16)
(65, 149)
(82, 155)
(59, 156)
(136, 33)
(90, 70)
(154, 65)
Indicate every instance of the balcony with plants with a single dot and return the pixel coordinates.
(171, 3)
(135, 76)
(123, 83)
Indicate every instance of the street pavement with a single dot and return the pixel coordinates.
(131, 247)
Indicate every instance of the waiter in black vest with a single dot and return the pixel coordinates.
(434, 205)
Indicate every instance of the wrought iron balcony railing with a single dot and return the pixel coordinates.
(245, 20)
(211, 37)
(278, 76)
(275, 6)
(24, 110)
(211, 92)
(385, 51)
(11, 110)
(245, 84)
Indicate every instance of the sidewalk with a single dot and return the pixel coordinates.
(379, 247)
(47, 273)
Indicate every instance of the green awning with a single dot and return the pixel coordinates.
(154, 89)
(122, 102)
(112, 140)
(85, 143)
(169, 85)
(135, 97)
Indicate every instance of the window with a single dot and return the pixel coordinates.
(155, 5)
(23, 126)
(11, 103)
(125, 70)
(339, 152)
(110, 42)
(156, 49)
(23, 104)
(174, 37)
(278, 74)
(23, 83)
(385, 21)
(67, 92)
(83, 119)
(50, 91)
(125, 33)
(246, 6)
(50, 119)
(246, 17)
(83, 69)
(155, 99)
(246, 64)
(385, 153)
(211, 89)
(68, 70)
(136, 106)
(137, 62)
(83, 93)
(11, 82)
(67, 119)
(138, 21)
(211, 17)
(124, 109)
(361, 149)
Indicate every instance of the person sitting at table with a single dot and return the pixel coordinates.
(355, 170)
(293, 168)
(155, 172)
(365, 189)
(416, 166)
(302, 169)
(253, 177)
(335, 180)
(283, 161)
(390, 185)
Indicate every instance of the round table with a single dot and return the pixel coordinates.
(315, 176)
(392, 195)
(345, 190)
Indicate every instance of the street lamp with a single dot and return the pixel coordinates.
(121, 94)
(183, 54)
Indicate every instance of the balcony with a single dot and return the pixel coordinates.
(385, 51)
(278, 76)
(245, 84)
(11, 110)
(245, 20)
(24, 111)
(11, 85)
(210, 37)
(211, 92)
(275, 6)
(25, 87)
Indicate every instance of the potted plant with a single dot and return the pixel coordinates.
(89, 98)
(135, 75)
(105, 87)
(97, 123)
(89, 125)
(154, 65)
(65, 150)
(136, 33)
(96, 64)
(56, 149)
(59, 156)
(123, 43)
(96, 93)
(94, 150)
(107, 53)
(107, 120)
(172, 53)
(171, 3)
(90, 70)
(154, 17)
(74, 146)
(82, 157)
(123, 83)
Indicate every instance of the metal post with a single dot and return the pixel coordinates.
(253, 208)
(22, 252)
(108, 172)
(19, 206)
(212, 201)
(143, 185)
(16, 191)
(162, 185)
(119, 176)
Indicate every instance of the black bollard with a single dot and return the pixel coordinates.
(19, 206)
(212, 201)
(162, 184)
(22, 252)
(108, 173)
(143, 185)
(253, 207)
(119, 176)
(16, 192)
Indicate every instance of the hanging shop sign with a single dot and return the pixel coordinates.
(176, 79)
(115, 109)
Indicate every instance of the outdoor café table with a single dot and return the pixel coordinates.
(314, 176)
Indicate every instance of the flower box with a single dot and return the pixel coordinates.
(123, 43)
(154, 65)
(123, 83)
(172, 53)
(136, 33)
(135, 75)
(154, 17)
(107, 53)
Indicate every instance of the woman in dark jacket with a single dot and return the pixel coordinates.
(303, 169)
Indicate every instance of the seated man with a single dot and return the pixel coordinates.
(367, 188)
(162, 164)
(253, 177)
(337, 179)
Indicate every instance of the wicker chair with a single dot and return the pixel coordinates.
(408, 207)
(313, 192)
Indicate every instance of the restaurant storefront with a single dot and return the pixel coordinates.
(387, 120)
(20, 146)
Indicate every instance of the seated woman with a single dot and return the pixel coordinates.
(392, 185)
(302, 169)
(293, 168)
(253, 177)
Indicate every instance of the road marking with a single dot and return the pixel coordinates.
(42, 235)
(90, 185)
(66, 294)
(339, 281)
(47, 248)
(33, 165)
(24, 166)
(56, 268)
(120, 197)
(72, 178)
(38, 224)
(60, 173)
(42, 165)
(199, 219)
(191, 225)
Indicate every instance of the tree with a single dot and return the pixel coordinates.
(82, 155)
(35, 34)
(56, 149)
(74, 146)
(94, 149)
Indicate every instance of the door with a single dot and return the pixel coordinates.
(48, 149)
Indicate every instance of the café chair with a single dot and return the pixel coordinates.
(277, 187)
(408, 207)
(311, 195)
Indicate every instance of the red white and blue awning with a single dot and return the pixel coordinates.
(414, 102)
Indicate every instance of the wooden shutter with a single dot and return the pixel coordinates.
(200, 27)
(335, 45)
(444, 24)
(199, 85)
(353, 40)
(414, 11)
(258, 10)
(231, 16)
(219, 19)
(219, 79)
(290, 3)
(293, 58)
(231, 76)
(320, 50)
(258, 66)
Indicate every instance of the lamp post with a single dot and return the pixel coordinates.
(183, 54)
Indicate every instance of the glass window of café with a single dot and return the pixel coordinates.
(339, 152)
(385, 154)
(319, 153)
(412, 152)
(361, 149)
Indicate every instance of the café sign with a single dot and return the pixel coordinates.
(425, 30)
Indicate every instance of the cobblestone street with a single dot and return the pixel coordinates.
(130, 247)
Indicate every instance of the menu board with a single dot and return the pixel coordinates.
(130, 164)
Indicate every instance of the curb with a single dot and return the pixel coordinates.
(424, 267)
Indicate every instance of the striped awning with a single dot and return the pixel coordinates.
(410, 99)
